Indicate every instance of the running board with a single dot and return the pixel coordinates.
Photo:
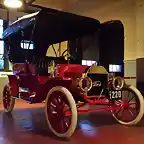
(28, 100)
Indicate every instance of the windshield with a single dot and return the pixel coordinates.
(86, 47)
(57, 50)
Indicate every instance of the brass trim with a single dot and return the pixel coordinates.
(122, 81)
(97, 70)
(84, 76)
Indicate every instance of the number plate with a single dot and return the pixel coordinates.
(115, 94)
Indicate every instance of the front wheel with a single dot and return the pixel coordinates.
(130, 108)
(59, 101)
(8, 101)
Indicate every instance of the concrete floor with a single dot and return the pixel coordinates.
(27, 125)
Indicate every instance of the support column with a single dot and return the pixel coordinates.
(75, 51)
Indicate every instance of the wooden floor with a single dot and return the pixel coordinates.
(27, 125)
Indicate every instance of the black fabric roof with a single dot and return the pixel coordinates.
(53, 26)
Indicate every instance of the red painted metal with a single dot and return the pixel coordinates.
(97, 100)
(69, 70)
(42, 79)
(42, 84)
(59, 112)
(66, 75)
(128, 113)
(95, 110)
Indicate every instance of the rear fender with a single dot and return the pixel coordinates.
(13, 81)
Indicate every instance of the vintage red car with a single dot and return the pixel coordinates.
(64, 84)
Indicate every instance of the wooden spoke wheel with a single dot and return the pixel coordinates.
(130, 108)
(58, 103)
(8, 101)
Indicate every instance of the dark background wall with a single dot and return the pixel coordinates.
(105, 46)
(111, 49)
(90, 47)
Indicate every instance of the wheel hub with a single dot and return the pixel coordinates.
(126, 104)
(60, 112)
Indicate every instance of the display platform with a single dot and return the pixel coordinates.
(27, 125)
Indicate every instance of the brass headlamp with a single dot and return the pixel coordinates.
(85, 83)
(118, 83)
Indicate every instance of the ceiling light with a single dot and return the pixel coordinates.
(13, 3)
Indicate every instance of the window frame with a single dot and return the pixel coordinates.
(5, 59)
(115, 68)
(2, 55)
(26, 43)
(89, 61)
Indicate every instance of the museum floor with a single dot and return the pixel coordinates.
(27, 125)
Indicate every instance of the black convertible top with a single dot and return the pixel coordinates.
(52, 26)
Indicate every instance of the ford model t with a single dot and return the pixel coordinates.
(61, 81)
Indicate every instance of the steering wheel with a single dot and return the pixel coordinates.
(67, 54)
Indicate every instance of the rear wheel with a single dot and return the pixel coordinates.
(59, 101)
(8, 101)
(130, 108)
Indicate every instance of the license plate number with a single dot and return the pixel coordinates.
(115, 94)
